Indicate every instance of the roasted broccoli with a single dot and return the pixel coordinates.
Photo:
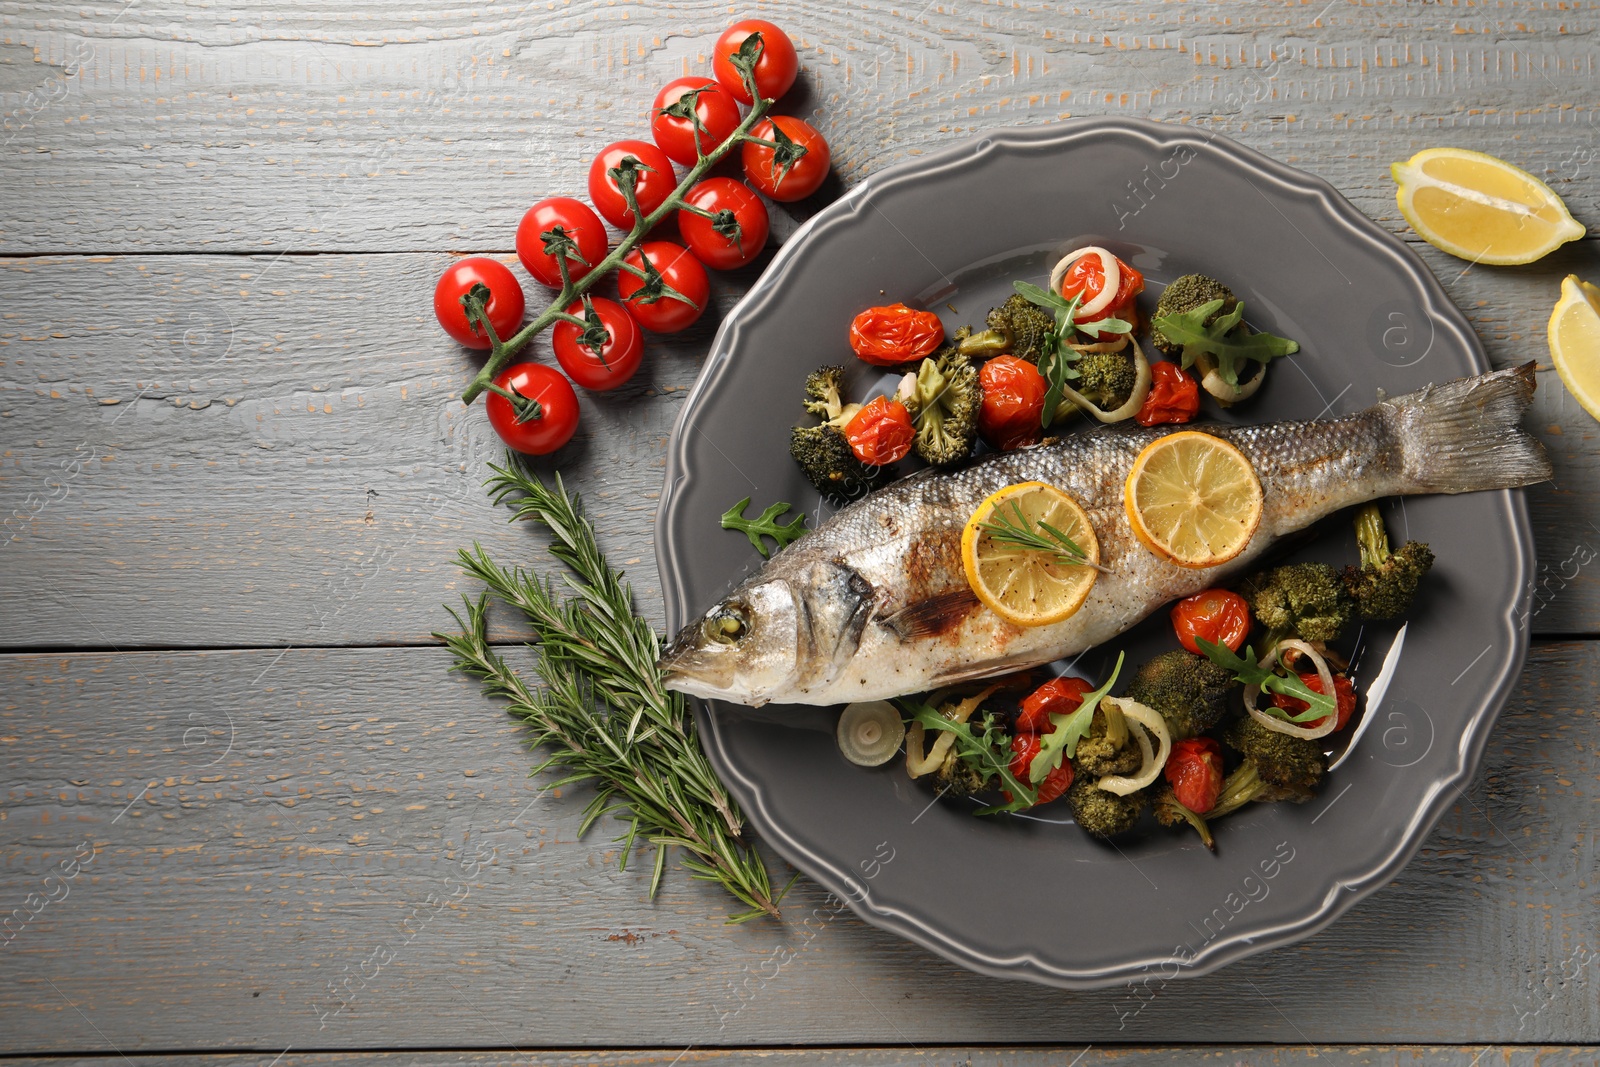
(1186, 294)
(1027, 324)
(1386, 581)
(944, 399)
(1276, 767)
(1170, 811)
(1304, 600)
(1108, 748)
(824, 455)
(1189, 691)
(1106, 378)
(1102, 813)
(957, 777)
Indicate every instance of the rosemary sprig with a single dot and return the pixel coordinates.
(1036, 537)
(602, 713)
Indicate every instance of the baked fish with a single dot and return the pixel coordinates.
(874, 603)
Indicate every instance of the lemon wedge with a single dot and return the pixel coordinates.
(1029, 585)
(1480, 208)
(1193, 499)
(1575, 341)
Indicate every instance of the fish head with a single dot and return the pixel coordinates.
(745, 649)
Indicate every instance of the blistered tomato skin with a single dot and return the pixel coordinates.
(715, 107)
(1013, 403)
(894, 334)
(505, 305)
(1194, 770)
(1344, 700)
(1056, 783)
(881, 432)
(1215, 615)
(1174, 396)
(1058, 696)
(652, 190)
(578, 221)
(775, 70)
(558, 416)
(617, 359)
(716, 249)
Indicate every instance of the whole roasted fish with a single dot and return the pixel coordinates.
(875, 602)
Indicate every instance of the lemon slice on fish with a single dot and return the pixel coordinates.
(1193, 499)
(1480, 208)
(1017, 550)
(1575, 341)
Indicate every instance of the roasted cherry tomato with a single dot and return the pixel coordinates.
(735, 233)
(505, 305)
(653, 306)
(1214, 615)
(1086, 279)
(775, 69)
(1013, 402)
(1023, 748)
(889, 336)
(652, 188)
(1344, 697)
(618, 356)
(1194, 770)
(1174, 396)
(577, 221)
(1058, 696)
(783, 173)
(558, 408)
(881, 432)
(672, 127)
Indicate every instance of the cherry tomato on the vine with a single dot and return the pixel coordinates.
(1344, 700)
(1013, 402)
(558, 408)
(618, 355)
(881, 432)
(652, 188)
(1058, 696)
(737, 230)
(895, 334)
(1174, 396)
(673, 268)
(505, 305)
(1215, 615)
(792, 171)
(775, 69)
(1023, 748)
(1194, 770)
(577, 222)
(672, 127)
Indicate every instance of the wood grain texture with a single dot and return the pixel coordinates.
(341, 849)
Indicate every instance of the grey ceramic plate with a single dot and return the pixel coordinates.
(952, 228)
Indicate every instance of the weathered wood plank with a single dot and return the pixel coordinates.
(381, 127)
(281, 436)
(340, 849)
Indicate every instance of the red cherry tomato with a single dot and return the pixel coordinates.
(577, 221)
(618, 356)
(737, 231)
(1058, 696)
(1215, 615)
(1013, 402)
(775, 69)
(1194, 770)
(505, 305)
(655, 308)
(652, 189)
(1344, 697)
(783, 174)
(1023, 748)
(888, 336)
(719, 116)
(1086, 279)
(881, 432)
(1174, 396)
(558, 408)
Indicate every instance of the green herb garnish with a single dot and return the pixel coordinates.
(765, 524)
(1189, 329)
(1245, 669)
(1069, 730)
(1036, 537)
(989, 750)
(1056, 354)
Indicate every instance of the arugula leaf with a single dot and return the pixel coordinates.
(1069, 730)
(983, 750)
(1189, 329)
(1247, 670)
(766, 523)
(1056, 355)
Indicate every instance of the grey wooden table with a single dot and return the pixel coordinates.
(247, 816)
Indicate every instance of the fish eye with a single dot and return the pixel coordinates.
(727, 624)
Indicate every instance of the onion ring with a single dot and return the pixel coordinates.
(1282, 726)
(1212, 381)
(1135, 401)
(1148, 721)
(1108, 291)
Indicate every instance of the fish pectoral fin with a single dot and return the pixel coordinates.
(933, 616)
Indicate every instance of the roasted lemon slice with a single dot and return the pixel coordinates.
(1481, 208)
(1575, 341)
(1018, 549)
(1193, 499)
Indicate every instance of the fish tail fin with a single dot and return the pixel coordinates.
(1466, 435)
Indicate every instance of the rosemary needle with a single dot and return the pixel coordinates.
(1036, 537)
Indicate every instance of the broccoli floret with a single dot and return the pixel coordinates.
(944, 399)
(1387, 581)
(824, 393)
(990, 342)
(1186, 294)
(1106, 378)
(1189, 691)
(1276, 767)
(957, 777)
(1108, 748)
(829, 464)
(1304, 600)
(1102, 813)
(1170, 811)
(1025, 323)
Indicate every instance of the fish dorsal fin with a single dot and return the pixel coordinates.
(933, 616)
